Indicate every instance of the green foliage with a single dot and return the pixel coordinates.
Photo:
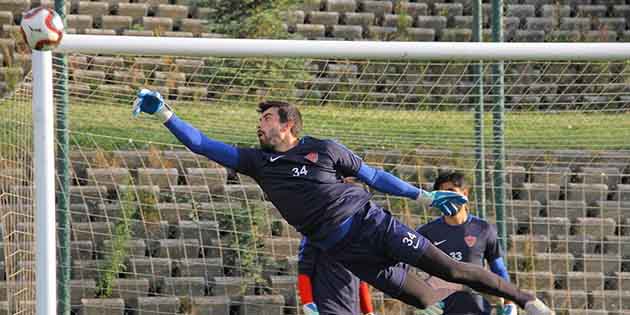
(115, 261)
(255, 77)
(251, 18)
(405, 21)
(245, 240)
(12, 76)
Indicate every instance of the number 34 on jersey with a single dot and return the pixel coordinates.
(302, 171)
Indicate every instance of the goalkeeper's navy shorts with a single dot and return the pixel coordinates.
(375, 247)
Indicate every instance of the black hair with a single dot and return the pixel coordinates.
(456, 177)
(287, 112)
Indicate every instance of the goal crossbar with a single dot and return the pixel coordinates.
(458, 51)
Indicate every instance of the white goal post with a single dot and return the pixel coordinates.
(421, 51)
(44, 177)
(120, 45)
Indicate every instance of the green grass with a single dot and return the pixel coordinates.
(111, 126)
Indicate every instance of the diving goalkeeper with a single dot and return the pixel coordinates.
(302, 177)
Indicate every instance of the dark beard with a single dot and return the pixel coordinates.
(266, 147)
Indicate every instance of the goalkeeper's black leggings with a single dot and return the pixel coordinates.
(415, 291)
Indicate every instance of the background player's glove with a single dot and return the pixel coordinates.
(310, 309)
(151, 102)
(508, 309)
(435, 309)
(537, 307)
(448, 202)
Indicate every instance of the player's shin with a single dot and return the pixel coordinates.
(436, 263)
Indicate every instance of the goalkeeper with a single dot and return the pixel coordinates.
(302, 177)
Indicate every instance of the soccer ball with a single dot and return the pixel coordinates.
(42, 28)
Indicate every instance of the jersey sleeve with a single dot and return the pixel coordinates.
(493, 247)
(249, 161)
(345, 161)
(307, 255)
(199, 143)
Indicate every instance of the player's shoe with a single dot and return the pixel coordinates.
(537, 307)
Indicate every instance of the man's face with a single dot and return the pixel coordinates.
(270, 130)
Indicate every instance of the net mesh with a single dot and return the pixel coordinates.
(156, 228)
(17, 206)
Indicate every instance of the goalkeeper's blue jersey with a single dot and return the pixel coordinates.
(306, 184)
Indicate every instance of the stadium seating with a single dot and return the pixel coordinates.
(219, 304)
(561, 299)
(157, 305)
(113, 306)
(569, 219)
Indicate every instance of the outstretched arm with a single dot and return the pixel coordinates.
(199, 143)
(151, 102)
(349, 164)
(446, 201)
(385, 182)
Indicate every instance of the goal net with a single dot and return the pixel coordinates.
(156, 228)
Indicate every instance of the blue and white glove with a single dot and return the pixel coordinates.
(435, 309)
(151, 102)
(448, 202)
(310, 309)
(508, 309)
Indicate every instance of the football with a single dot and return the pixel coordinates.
(42, 28)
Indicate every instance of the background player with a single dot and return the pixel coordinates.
(302, 177)
(326, 287)
(466, 238)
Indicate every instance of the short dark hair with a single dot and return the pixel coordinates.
(450, 176)
(287, 112)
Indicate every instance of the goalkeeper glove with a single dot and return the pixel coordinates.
(508, 309)
(310, 309)
(151, 102)
(448, 202)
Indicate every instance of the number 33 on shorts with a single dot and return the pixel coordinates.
(411, 240)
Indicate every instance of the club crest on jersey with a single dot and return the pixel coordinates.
(313, 156)
(470, 240)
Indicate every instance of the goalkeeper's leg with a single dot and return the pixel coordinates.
(403, 284)
(437, 263)
(378, 241)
